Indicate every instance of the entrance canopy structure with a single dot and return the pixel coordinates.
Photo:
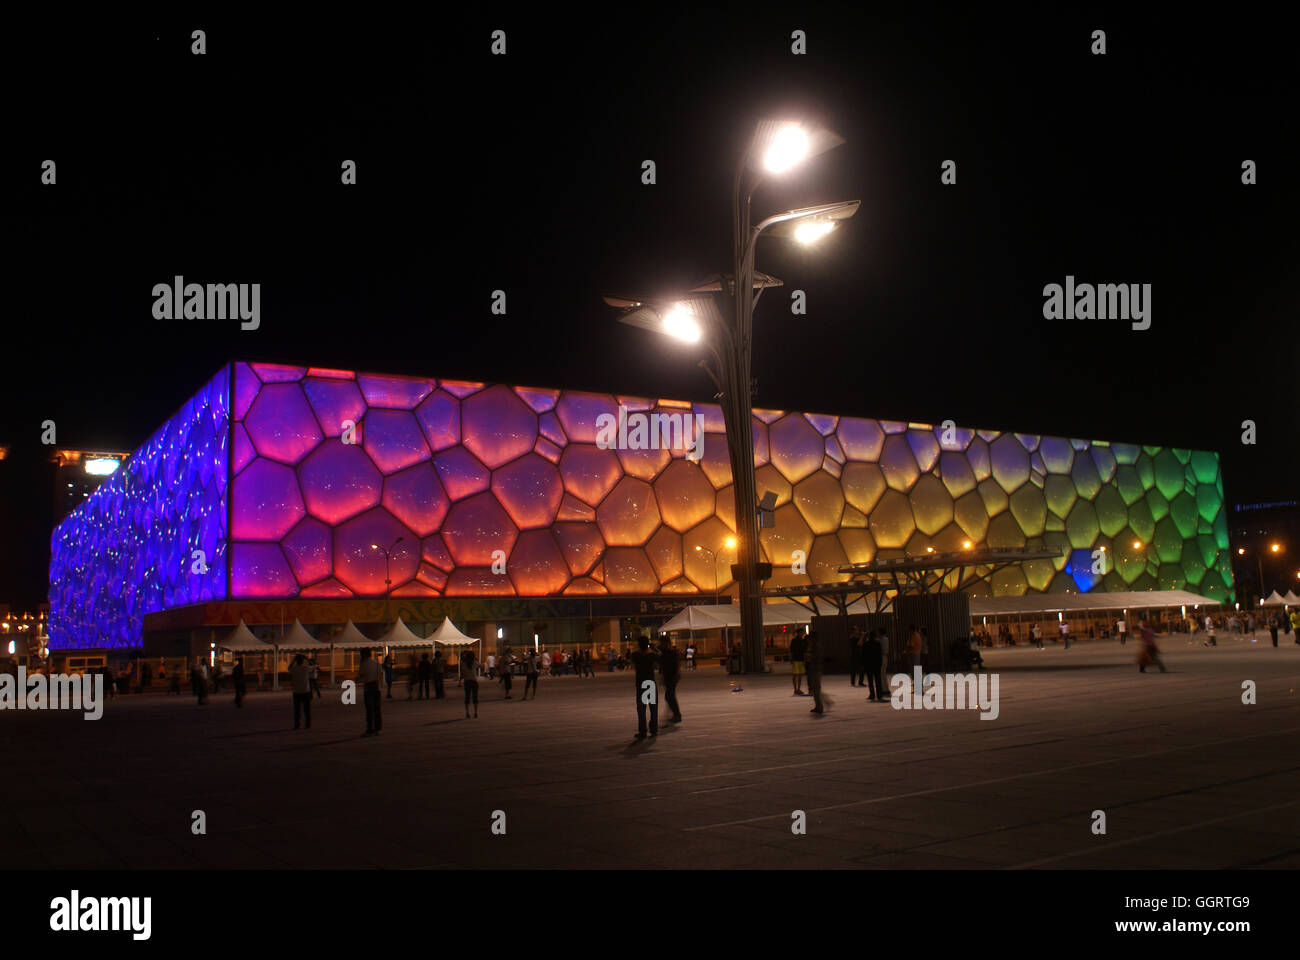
(725, 616)
(242, 640)
(1053, 603)
(298, 640)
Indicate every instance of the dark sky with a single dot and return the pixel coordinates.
(523, 173)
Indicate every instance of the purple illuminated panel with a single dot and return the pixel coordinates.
(129, 548)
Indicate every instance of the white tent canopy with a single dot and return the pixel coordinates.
(298, 639)
(711, 617)
(401, 636)
(449, 635)
(352, 638)
(1274, 599)
(243, 640)
(1291, 597)
(696, 617)
(1042, 603)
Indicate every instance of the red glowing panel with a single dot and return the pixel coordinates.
(338, 482)
(530, 490)
(497, 426)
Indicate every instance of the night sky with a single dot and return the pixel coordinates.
(522, 173)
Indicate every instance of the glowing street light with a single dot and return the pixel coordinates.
(776, 147)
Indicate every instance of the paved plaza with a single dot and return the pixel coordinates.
(1188, 776)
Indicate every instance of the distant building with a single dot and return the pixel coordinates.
(77, 474)
(1266, 544)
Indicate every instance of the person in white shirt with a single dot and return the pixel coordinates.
(491, 666)
(1121, 627)
(300, 677)
(1209, 630)
(369, 676)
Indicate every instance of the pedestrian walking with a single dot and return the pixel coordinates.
(690, 655)
(914, 647)
(300, 677)
(491, 666)
(439, 675)
(469, 677)
(670, 669)
(647, 692)
(798, 653)
(1274, 625)
(237, 678)
(531, 667)
(424, 671)
(856, 669)
(1149, 654)
(504, 669)
(388, 675)
(1121, 627)
(872, 658)
(315, 677)
(370, 676)
(814, 664)
(1210, 641)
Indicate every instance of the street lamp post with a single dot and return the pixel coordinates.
(775, 148)
(388, 578)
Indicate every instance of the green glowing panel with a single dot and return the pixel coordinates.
(1140, 519)
(1112, 514)
(1029, 509)
(1208, 501)
(1157, 504)
(1060, 494)
(931, 505)
(1167, 542)
(1129, 484)
(1183, 510)
(994, 497)
(1082, 525)
(1168, 474)
(969, 512)
(1205, 466)
(1005, 532)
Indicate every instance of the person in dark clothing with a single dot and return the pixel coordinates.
(388, 674)
(531, 671)
(469, 677)
(439, 675)
(315, 677)
(370, 676)
(798, 654)
(1273, 628)
(855, 658)
(505, 671)
(300, 677)
(872, 657)
(237, 678)
(425, 672)
(647, 692)
(670, 668)
(814, 655)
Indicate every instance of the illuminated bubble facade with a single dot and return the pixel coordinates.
(496, 490)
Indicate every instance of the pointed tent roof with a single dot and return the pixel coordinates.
(401, 636)
(1274, 599)
(352, 638)
(1291, 597)
(449, 635)
(241, 638)
(299, 639)
(696, 617)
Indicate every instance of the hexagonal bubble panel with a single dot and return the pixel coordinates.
(825, 559)
(861, 439)
(326, 588)
(981, 463)
(335, 403)
(892, 522)
(1129, 561)
(1009, 582)
(416, 498)
(925, 448)
(1141, 521)
(1167, 544)
(580, 414)
(994, 497)
(548, 425)
(1129, 484)
(309, 548)
(645, 464)
(716, 462)
(1103, 458)
(665, 552)
(1205, 466)
(461, 473)
(476, 529)
(1010, 462)
(571, 508)
(1193, 563)
(580, 544)
(439, 417)
(1060, 494)
(281, 424)
(1157, 504)
(629, 515)
(1208, 501)
(1005, 532)
(1029, 509)
(1087, 481)
(393, 439)
(359, 548)
(536, 567)
(338, 481)
(1082, 526)
(859, 546)
(790, 534)
(1184, 513)
(628, 570)
(265, 503)
(820, 500)
(584, 587)
(957, 474)
(497, 426)
(1146, 472)
(970, 515)
(797, 449)
(932, 507)
(1112, 514)
(478, 582)
(1057, 454)
(589, 472)
(530, 489)
(244, 454)
(397, 392)
(898, 464)
(685, 495)
(539, 401)
(260, 570)
(768, 478)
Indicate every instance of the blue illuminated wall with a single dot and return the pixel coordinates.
(127, 550)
